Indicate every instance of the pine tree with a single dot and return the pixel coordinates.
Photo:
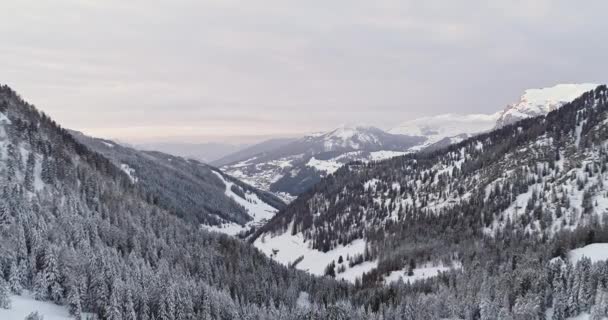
(600, 309)
(29, 172)
(41, 287)
(34, 316)
(113, 308)
(5, 298)
(5, 215)
(15, 278)
(559, 301)
(74, 303)
(129, 307)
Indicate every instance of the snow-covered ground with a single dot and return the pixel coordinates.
(22, 306)
(327, 166)
(129, 171)
(421, 273)
(596, 252)
(259, 210)
(385, 154)
(287, 248)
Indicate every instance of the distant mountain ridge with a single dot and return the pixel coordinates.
(294, 167)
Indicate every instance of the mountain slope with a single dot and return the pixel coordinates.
(536, 177)
(75, 231)
(192, 190)
(294, 167)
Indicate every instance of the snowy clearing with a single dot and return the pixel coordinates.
(22, 306)
(596, 252)
(327, 166)
(287, 248)
(425, 272)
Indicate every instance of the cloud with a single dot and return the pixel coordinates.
(287, 65)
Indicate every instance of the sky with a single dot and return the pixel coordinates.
(240, 71)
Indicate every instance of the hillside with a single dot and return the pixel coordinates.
(538, 177)
(194, 191)
(76, 231)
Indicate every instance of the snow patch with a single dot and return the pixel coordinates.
(258, 210)
(327, 166)
(129, 171)
(22, 306)
(386, 154)
(425, 272)
(287, 248)
(596, 252)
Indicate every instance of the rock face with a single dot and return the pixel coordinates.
(537, 102)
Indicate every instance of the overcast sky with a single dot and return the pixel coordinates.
(207, 70)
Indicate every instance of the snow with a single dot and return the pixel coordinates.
(22, 306)
(129, 171)
(422, 273)
(258, 210)
(385, 154)
(107, 144)
(345, 137)
(327, 166)
(536, 102)
(438, 127)
(370, 184)
(4, 119)
(287, 248)
(596, 252)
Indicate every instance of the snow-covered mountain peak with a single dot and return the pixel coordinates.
(349, 137)
(536, 102)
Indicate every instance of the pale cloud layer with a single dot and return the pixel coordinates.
(234, 70)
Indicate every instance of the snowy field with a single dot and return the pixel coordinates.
(596, 252)
(287, 248)
(422, 273)
(22, 306)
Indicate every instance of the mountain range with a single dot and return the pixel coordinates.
(291, 168)
(535, 177)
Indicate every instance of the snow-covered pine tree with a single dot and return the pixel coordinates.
(600, 308)
(5, 298)
(29, 172)
(74, 303)
(15, 278)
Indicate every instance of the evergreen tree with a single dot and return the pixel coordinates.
(5, 299)
(15, 278)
